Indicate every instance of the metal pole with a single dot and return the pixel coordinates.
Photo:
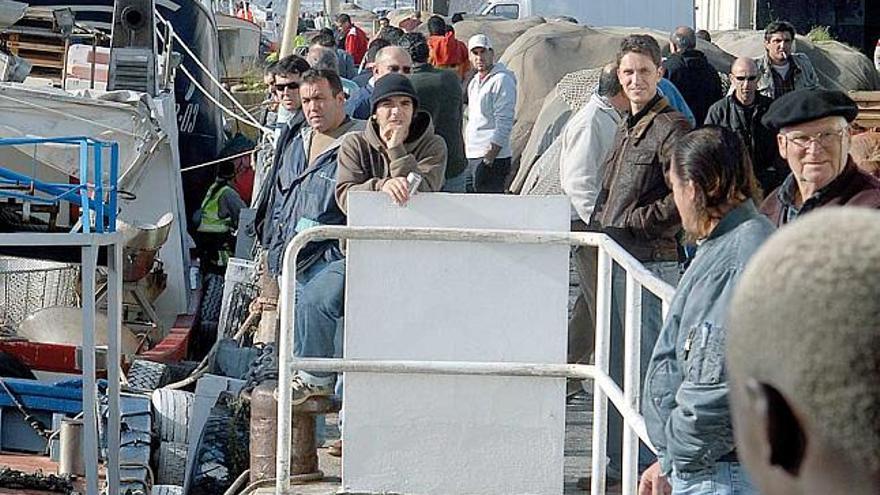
(285, 354)
(114, 320)
(90, 422)
(602, 358)
(632, 367)
(291, 24)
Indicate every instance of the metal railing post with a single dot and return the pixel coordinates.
(631, 379)
(605, 389)
(287, 304)
(602, 354)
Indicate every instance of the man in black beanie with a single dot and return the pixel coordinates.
(399, 139)
(814, 138)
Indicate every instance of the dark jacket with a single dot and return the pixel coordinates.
(635, 205)
(685, 406)
(288, 133)
(365, 163)
(851, 188)
(770, 168)
(440, 95)
(696, 79)
(303, 196)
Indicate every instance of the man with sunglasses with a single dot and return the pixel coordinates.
(814, 138)
(287, 76)
(389, 60)
(741, 112)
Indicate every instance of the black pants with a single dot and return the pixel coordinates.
(490, 178)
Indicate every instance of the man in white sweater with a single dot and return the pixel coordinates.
(586, 140)
(491, 107)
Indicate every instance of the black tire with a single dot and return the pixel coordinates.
(171, 412)
(222, 452)
(167, 490)
(147, 375)
(209, 315)
(181, 370)
(171, 466)
(212, 298)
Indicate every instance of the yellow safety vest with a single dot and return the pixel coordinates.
(211, 222)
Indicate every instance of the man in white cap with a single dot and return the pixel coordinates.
(491, 107)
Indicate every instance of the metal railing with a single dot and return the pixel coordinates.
(625, 400)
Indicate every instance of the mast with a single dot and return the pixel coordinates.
(291, 23)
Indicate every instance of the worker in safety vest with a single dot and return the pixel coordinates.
(217, 220)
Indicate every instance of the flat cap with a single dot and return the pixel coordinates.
(805, 105)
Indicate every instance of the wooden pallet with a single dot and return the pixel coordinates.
(869, 108)
(33, 38)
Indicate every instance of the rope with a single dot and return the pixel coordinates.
(213, 79)
(219, 160)
(215, 101)
(68, 115)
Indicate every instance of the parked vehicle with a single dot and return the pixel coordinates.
(664, 15)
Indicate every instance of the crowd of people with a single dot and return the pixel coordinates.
(693, 183)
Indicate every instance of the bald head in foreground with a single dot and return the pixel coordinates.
(804, 357)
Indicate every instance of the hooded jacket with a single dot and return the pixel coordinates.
(365, 164)
(491, 110)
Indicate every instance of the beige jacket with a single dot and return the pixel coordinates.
(365, 163)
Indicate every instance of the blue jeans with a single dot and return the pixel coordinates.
(457, 184)
(320, 293)
(728, 478)
(652, 322)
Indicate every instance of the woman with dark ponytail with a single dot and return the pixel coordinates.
(685, 396)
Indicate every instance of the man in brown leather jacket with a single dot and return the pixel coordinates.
(635, 205)
(814, 138)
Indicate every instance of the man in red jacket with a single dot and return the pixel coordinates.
(355, 38)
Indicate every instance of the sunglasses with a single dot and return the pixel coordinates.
(280, 88)
(746, 78)
(406, 69)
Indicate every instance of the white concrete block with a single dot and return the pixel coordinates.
(455, 302)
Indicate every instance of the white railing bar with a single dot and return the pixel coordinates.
(631, 378)
(288, 298)
(579, 371)
(602, 359)
(538, 370)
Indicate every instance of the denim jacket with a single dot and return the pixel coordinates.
(685, 396)
(305, 196)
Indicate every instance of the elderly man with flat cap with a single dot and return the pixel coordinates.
(814, 138)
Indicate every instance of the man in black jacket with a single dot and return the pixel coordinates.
(741, 112)
(440, 95)
(288, 72)
(692, 73)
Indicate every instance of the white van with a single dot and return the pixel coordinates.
(665, 15)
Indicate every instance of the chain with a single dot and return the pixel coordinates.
(10, 478)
